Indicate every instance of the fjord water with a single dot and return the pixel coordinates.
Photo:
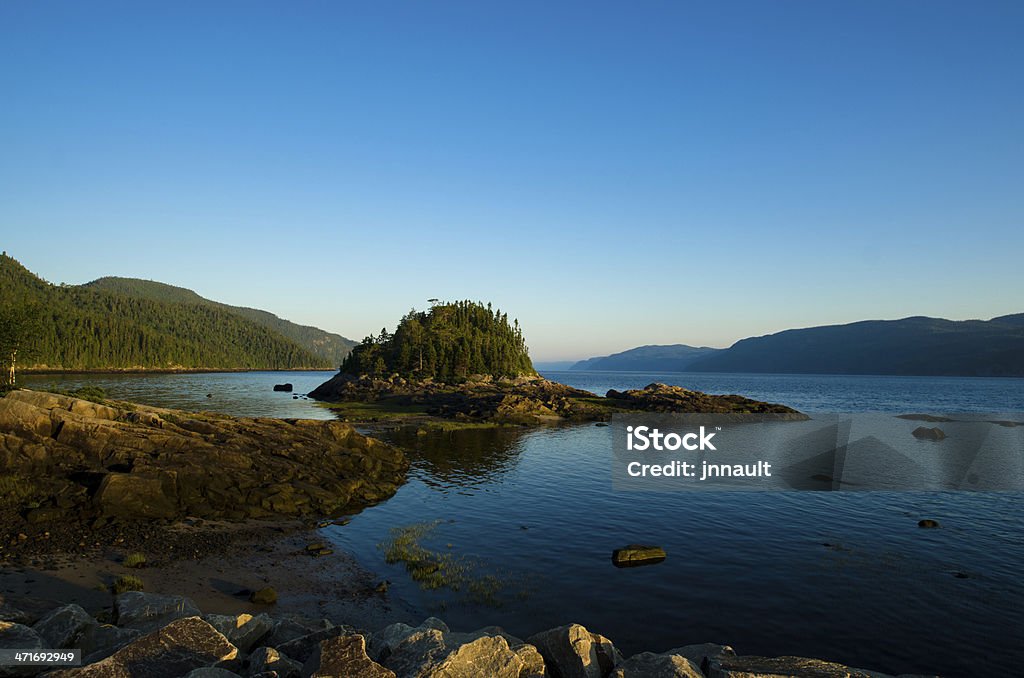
(531, 516)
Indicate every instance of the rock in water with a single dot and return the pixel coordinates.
(287, 388)
(925, 433)
(575, 652)
(636, 554)
(928, 523)
(343, 656)
(170, 652)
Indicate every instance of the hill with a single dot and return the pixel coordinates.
(330, 347)
(84, 328)
(911, 346)
(448, 343)
(671, 358)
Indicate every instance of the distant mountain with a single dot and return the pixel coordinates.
(671, 358)
(911, 346)
(91, 328)
(553, 365)
(332, 348)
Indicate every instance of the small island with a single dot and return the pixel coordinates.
(463, 361)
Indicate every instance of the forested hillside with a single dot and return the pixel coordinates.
(449, 342)
(78, 328)
(325, 345)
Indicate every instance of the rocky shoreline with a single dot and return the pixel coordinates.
(166, 636)
(528, 400)
(69, 459)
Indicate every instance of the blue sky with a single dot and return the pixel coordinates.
(612, 174)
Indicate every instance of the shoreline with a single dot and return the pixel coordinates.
(170, 370)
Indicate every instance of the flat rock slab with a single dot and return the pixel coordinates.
(784, 667)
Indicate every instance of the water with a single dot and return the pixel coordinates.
(844, 576)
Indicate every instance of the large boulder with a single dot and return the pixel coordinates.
(19, 637)
(301, 649)
(784, 667)
(243, 631)
(383, 642)
(61, 627)
(574, 652)
(170, 652)
(268, 659)
(651, 665)
(435, 653)
(148, 611)
(343, 656)
(99, 641)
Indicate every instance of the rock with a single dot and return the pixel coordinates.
(170, 652)
(925, 433)
(702, 653)
(265, 596)
(146, 463)
(148, 611)
(99, 641)
(128, 495)
(533, 662)
(211, 672)
(61, 627)
(782, 667)
(433, 652)
(19, 637)
(244, 631)
(575, 652)
(302, 647)
(928, 523)
(286, 388)
(343, 656)
(11, 614)
(290, 627)
(636, 554)
(267, 659)
(651, 665)
(383, 642)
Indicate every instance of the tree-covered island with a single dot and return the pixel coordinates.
(464, 360)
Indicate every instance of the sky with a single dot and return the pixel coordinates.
(610, 173)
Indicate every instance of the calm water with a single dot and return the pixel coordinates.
(535, 509)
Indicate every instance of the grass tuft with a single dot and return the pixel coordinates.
(127, 582)
(135, 560)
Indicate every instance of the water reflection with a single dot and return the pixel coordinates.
(459, 459)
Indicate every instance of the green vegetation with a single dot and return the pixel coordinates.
(82, 328)
(91, 393)
(435, 570)
(135, 560)
(448, 343)
(127, 582)
(329, 347)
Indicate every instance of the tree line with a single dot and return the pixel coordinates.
(448, 343)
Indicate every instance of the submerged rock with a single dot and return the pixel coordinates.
(928, 523)
(925, 433)
(636, 554)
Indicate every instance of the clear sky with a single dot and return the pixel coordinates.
(611, 173)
